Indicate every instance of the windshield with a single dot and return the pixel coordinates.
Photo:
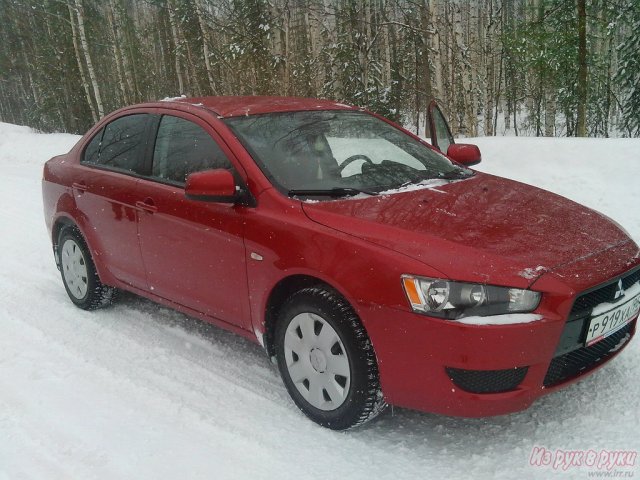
(311, 152)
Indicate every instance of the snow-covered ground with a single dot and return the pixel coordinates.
(139, 391)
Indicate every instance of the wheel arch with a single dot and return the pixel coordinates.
(58, 225)
(65, 220)
(279, 294)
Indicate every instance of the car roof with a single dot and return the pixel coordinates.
(231, 106)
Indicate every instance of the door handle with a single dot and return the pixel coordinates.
(80, 186)
(147, 205)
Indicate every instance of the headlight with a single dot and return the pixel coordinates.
(452, 300)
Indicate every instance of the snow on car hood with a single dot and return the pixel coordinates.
(485, 228)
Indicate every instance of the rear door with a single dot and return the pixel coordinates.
(104, 189)
(439, 130)
(193, 251)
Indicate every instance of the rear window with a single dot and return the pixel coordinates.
(120, 144)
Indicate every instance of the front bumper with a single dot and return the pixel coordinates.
(446, 367)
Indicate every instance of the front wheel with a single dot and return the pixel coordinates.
(326, 360)
(79, 273)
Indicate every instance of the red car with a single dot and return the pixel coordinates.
(373, 268)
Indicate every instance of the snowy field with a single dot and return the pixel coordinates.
(139, 391)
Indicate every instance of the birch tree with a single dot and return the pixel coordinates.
(534, 67)
(85, 83)
(581, 127)
(79, 11)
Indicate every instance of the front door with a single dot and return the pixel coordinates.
(193, 251)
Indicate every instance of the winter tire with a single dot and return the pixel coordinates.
(79, 273)
(326, 359)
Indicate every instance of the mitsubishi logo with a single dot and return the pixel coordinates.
(619, 291)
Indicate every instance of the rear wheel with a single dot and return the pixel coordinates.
(79, 273)
(326, 360)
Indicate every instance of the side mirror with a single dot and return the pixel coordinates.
(211, 186)
(439, 130)
(464, 153)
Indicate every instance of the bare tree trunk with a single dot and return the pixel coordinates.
(315, 42)
(83, 76)
(581, 125)
(498, 92)
(426, 67)
(509, 91)
(132, 93)
(472, 66)
(195, 84)
(161, 43)
(205, 44)
(363, 51)
(489, 72)
(287, 52)
(610, 53)
(331, 25)
(416, 87)
(549, 113)
(177, 47)
(115, 48)
(452, 66)
(437, 86)
(32, 84)
(87, 57)
(28, 57)
(464, 72)
(386, 47)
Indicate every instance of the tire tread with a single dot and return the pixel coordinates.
(99, 295)
(373, 403)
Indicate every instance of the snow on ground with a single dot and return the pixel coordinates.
(139, 391)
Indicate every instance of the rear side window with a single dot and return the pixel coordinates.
(92, 152)
(121, 144)
(181, 148)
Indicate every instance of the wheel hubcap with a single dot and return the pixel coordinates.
(317, 361)
(74, 269)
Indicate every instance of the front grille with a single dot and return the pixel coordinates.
(630, 279)
(487, 381)
(605, 293)
(574, 363)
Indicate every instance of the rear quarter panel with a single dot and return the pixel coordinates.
(59, 204)
(57, 197)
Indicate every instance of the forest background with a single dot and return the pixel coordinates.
(523, 67)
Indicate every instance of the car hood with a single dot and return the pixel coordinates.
(484, 229)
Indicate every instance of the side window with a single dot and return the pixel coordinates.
(92, 151)
(182, 147)
(121, 146)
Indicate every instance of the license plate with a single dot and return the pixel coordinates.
(609, 322)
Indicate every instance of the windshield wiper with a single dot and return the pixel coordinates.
(330, 192)
(456, 174)
(452, 175)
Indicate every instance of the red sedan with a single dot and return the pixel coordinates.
(371, 266)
